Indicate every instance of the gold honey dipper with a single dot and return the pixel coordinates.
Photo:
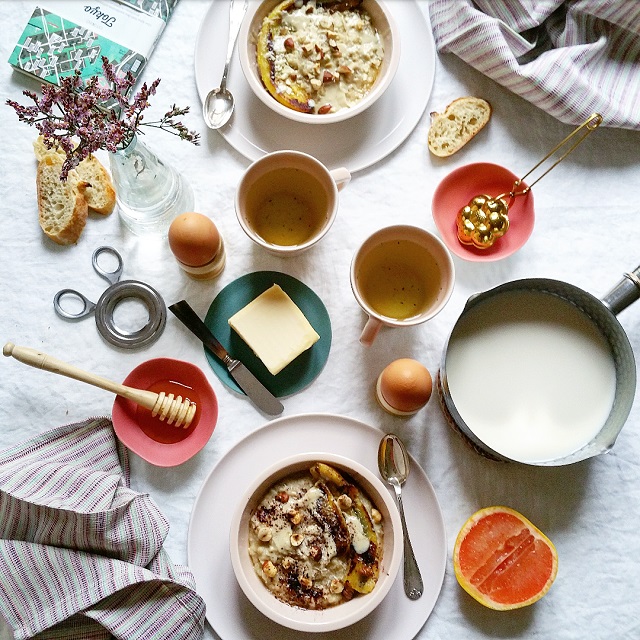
(485, 219)
(177, 411)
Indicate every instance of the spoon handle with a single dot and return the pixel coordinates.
(235, 20)
(413, 586)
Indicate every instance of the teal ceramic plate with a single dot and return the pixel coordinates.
(305, 368)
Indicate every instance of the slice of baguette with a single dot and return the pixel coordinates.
(99, 191)
(62, 206)
(457, 124)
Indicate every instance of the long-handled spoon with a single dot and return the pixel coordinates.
(177, 411)
(219, 103)
(393, 463)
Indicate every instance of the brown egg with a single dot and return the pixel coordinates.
(194, 239)
(404, 387)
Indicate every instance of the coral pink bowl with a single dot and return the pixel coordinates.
(456, 191)
(156, 442)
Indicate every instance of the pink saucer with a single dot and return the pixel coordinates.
(463, 184)
(155, 441)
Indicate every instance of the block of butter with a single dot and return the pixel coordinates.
(275, 328)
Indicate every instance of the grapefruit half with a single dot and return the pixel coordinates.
(503, 560)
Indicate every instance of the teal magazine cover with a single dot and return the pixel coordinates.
(65, 36)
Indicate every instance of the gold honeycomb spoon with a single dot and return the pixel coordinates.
(486, 219)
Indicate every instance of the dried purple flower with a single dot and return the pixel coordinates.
(73, 117)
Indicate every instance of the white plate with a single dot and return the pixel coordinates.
(229, 612)
(356, 143)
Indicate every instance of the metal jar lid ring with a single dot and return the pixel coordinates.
(110, 299)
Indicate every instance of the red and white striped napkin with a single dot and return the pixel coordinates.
(81, 554)
(570, 58)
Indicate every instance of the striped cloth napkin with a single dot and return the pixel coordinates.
(570, 58)
(81, 553)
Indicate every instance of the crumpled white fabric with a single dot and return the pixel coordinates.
(570, 58)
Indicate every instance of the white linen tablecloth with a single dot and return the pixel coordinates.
(587, 216)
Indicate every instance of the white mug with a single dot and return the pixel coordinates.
(287, 201)
(401, 276)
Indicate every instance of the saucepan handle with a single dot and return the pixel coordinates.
(624, 293)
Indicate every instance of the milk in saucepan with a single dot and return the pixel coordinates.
(530, 375)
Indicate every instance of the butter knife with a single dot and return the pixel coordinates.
(255, 390)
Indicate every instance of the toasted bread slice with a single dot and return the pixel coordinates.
(62, 206)
(457, 124)
(99, 191)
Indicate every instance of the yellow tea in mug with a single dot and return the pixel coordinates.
(287, 206)
(399, 279)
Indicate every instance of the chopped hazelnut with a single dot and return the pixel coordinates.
(344, 501)
(344, 70)
(336, 586)
(269, 569)
(315, 553)
(289, 44)
(287, 563)
(376, 516)
(282, 496)
(295, 517)
(305, 582)
(296, 539)
(325, 108)
(264, 534)
(327, 76)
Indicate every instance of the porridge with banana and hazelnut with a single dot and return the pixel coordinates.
(319, 56)
(315, 539)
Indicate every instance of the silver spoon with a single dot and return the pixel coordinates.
(219, 103)
(393, 463)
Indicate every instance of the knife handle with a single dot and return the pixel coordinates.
(192, 321)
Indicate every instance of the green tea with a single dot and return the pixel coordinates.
(399, 279)
(287, 207)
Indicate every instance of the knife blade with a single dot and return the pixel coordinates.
(255, 390)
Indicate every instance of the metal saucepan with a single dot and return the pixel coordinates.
(479, 393)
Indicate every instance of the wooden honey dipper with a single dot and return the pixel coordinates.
(176, 411)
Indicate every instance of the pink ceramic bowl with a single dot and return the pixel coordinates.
(462, 185)
(156, 442)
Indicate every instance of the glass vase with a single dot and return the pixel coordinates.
(150, 193)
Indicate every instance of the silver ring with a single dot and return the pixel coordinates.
(130, 339)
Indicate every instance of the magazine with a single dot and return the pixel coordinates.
(65, 36)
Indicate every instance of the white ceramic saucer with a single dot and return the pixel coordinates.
(229, 612)
(358, 143)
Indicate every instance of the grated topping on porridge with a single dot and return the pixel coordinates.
(315, 539)
(319, 57)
